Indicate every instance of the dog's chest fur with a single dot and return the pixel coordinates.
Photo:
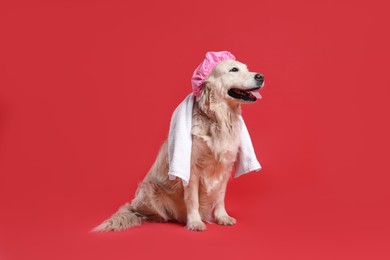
(217, 140)
(218, 145)
(219, 132)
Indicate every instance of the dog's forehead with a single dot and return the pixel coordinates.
(229, 64)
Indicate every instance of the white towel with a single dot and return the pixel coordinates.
(180, 144)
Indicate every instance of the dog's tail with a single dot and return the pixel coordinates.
(124, 218)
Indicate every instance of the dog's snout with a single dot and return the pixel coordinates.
(259, 77)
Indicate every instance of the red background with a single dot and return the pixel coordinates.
(87, 89)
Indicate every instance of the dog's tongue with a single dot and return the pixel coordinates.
(256, 94)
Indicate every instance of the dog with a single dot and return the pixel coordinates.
(215, 144)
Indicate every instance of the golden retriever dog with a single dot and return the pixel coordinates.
(215, 144)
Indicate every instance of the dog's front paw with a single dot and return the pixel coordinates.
(226, 221)
(196, 226)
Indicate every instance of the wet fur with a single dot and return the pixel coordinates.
(215, 146)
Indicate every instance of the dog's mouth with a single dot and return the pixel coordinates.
(249, 95)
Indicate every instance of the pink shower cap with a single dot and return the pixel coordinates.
(204, 69)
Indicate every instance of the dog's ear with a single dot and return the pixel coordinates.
(206, 99)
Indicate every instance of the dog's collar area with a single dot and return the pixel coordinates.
(246, 95)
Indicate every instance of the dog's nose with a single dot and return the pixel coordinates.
(259, 77)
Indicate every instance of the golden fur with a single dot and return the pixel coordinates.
(215, 146)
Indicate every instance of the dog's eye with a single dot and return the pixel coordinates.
(234, 69)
